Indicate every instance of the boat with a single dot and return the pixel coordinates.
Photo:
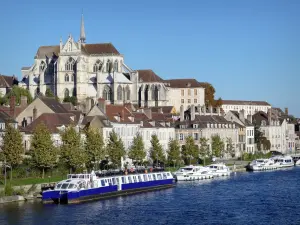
(283, 161)
(219, 169)
(191, 172)
(296, 160)
(262, 164)
(84, 187)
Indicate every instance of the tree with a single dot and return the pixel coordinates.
(230, 148)
(72, 99)
(43, 152)
(190, 150)
(210, 95)
(217, 146)
(94, 147)
(12, 147)
(137, 150)
(204, 148)
(17, 92)
(115, 148)
(156, 152)
(49, 93)
(72, 152)
(174, 156)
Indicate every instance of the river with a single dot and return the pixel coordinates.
(270, 197)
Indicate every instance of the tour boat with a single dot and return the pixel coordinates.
(219, 169)
(283, 161)
(192, 173)
(262, 164)
(84, 187)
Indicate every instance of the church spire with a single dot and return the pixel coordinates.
(82, 32)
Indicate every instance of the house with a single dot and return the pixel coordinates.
(5, 120)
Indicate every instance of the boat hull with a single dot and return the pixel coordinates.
(105, 192)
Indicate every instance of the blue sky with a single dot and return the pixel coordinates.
(248, 50)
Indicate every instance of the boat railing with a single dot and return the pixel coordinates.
(108, 173)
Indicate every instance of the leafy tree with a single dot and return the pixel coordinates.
(217, 146)
(43, 152)
(190, 150)
(137, 150)
(72, 99)
(71, 149)
(204, 148)
(156, 152)
(12, 147)
(115, 148)
(94, 147)
(230, 148)
(174, 156)
(210, 95)
(17, 92)
(49, 93)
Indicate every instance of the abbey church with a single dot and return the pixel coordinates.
(93, 71)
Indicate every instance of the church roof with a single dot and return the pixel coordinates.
(90, 49)
(149, 76)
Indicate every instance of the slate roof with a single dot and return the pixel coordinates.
(53, 104)
(184, 83)
(149, 76)
(240, 102)
(7, 81)
(5, 118)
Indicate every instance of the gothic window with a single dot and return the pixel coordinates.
(67, 93)
(72, 77)
(116, 66)
(67, 78)
(43, 66)
(107, 93)
(70, 65)
(107, 65)
(128, 93)
(69, 46)
(119, 93)
(153, 93)
(97, 66)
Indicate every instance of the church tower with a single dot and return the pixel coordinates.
(82, 30)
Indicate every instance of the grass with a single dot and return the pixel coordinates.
(31, 180)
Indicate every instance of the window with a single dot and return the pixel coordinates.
(181, 137)
(195, 92)
(189, 100)
(42, 66)
(72, 77)
(119, 93)
(195, 100)
(97, 66)
(108, 66)
(70, 65)
(189, 92)
(195, 136)
(107, 93)
(127, 93)
(67, 93)
(116, 66)
(182, 101)
(182, 92)
(67, 78)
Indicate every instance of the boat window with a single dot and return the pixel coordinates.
(106, 181)
(102, 183)
(145, 177)
(58, 186)
(134, 178)
(189, 169)
(68, 180)
(71, 186)
(168, 174)
(64, 186)
(117, 180)
(123, 180)
(114, 180)
(154, 178)
(81, 176)
(140, 178)
(129, 179)
(73, 176)
(164, 176)
(159, 176)
(149, 177)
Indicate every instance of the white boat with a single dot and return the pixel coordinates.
(219, 169)
(192, 173)
(283, 161)
(262, 164)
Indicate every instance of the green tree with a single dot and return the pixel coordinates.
(174, 156)
(156, 152)
(204, 148)
(190, 150)
(72, 99)
(137, 150)
(49, 93)
(43, 152)
(71, 149)
(210, 95)
(230, 147)
(94, 147)
(12, 147)
(18, 92)
(217, 146)
(115, 149)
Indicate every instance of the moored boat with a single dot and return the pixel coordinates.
(189, 173)
(219, 169)
(84, 187)
(262, 164)
(283, 161)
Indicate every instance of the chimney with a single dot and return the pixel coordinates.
(242, 115)
(211, 110)
(34, 114)
(192, 113)
(12, 106)
(219, 111)
(249, 118)
(148, 112)
(101, 104)
(286, 111)
(269, 116)
(23, 103)
(199, 110)
(181, 113)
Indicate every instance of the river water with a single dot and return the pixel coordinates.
(243, 198)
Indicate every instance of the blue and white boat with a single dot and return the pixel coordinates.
(84, 187)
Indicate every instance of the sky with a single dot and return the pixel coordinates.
(248, 50)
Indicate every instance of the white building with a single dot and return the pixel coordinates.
(249, 107)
